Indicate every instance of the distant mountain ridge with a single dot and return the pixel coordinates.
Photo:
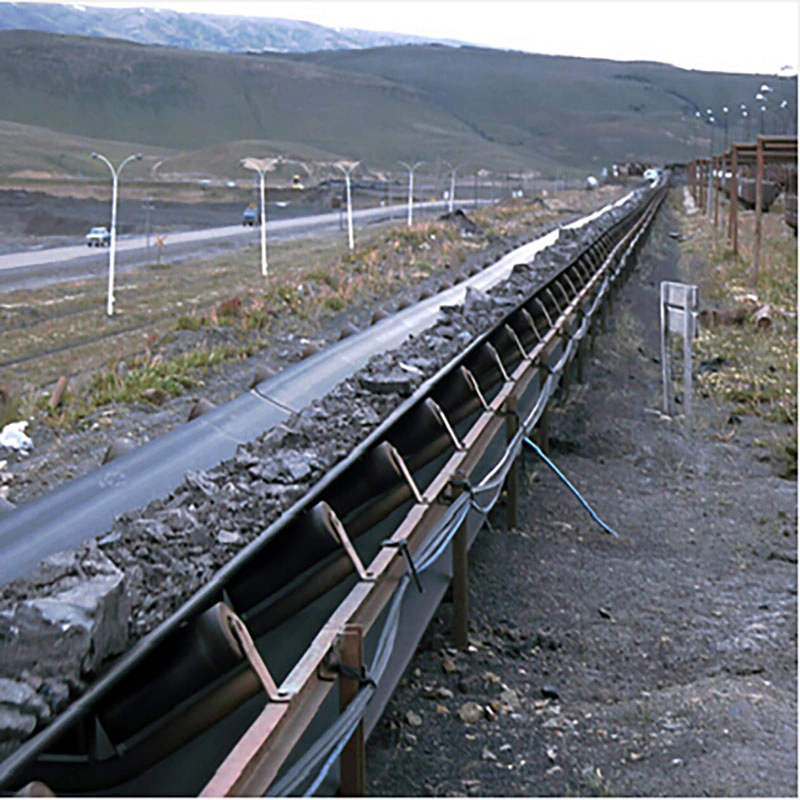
(191, 31)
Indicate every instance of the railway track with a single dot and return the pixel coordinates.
(239, 690)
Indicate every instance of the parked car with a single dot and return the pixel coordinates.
(98, 237)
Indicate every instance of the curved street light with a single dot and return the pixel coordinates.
(725, 128)
(711, 121)
(452, 195)
(784, 106)
(347, 168)
(113, 243)
(262, 166)
(410, 188)
(763, 107)
(746, 117)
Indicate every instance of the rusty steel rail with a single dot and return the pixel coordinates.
(413, 494)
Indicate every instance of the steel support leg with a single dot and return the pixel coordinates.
(352, 762)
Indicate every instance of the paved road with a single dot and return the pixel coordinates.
(53, 265)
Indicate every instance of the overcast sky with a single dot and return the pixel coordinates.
(735, 36)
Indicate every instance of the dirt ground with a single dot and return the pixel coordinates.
(662, 663)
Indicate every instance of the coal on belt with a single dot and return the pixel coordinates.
(82, 607)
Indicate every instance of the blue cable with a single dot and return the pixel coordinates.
(574, 491)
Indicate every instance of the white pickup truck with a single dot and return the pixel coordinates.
(98, 237)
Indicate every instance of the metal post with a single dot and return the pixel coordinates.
(687, 366)
(716, 169)
(565, 373)
(350, 241)
(542, 434)
(410, 198)
(347, 169)
(262, 166)
(147, 208)
(352, 763)
(512, 479)
(581, 355)
(411, 188)
(759, 202)
(665, 354)
(115, 173)
(734, 212)
(701, 177)
(725, 139)
(263, 223)
(113, 247)
(460, 587)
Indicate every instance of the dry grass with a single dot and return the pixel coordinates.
(63, 330)
(755, 368)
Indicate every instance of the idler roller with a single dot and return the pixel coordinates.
(298, 546)
(198, 654)
(416, 430)
(508, 349)
(455, 396)
(523, 331)
(375, 472)
(483, 365)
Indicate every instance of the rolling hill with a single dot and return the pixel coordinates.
(500, 110)
(192, 31)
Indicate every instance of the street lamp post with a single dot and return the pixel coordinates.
(746, 118)
(784, 106)
(148, 207)
(410, 188)
(115, 173)
(452, 195)
(262, 166)
(725, 129)
(711, 122)
(347, 168)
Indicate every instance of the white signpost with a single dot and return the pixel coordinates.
(678, 315)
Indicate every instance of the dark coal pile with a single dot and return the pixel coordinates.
(82, 607)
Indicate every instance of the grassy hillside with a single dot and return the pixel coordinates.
(569, 109)
(498, 110)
